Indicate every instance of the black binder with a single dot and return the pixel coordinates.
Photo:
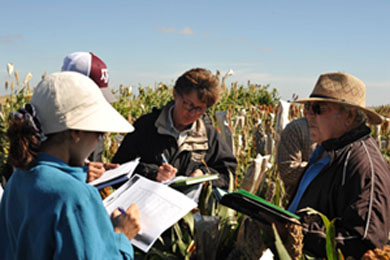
(258, 208)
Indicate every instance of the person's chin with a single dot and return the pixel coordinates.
(188, 121)
(313, 137)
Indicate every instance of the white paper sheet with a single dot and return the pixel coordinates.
(126, 168)
(160, 207)
(1, 192)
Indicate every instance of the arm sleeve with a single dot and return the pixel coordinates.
(127, 150)
(350, 243)
(361, 206)
(84, 231)
(132, 147)
(219, 159)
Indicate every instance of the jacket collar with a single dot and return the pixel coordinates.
(197, 138)
(349, 137)
(79, 173)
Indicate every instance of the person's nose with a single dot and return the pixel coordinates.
(193, 112)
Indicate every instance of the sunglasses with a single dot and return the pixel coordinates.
(316, 108)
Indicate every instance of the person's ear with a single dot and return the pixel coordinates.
(75, 136)
(351, 115)
(174, 94)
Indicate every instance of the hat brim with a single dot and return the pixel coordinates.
(373, 117)
(108, 95)
(103, 119)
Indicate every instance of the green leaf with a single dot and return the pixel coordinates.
(179, 241)
(189, 220)
(282, 251)
(331, 247)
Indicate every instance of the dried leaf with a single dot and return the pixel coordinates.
(10, 68)
(27, 78)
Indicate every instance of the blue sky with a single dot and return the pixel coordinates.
(286, 44)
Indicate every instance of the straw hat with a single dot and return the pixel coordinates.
(342, 88)
(70, 100)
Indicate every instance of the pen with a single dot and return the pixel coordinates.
(122, 211)
(164, 159)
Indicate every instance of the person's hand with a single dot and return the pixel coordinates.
(95, 170)
(166, 172)
(110, 166)
(129, 223)
(197, 173)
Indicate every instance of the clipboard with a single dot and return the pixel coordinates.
(258, 208)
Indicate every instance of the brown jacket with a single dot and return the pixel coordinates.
(354, 189)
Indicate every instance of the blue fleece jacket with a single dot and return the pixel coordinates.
(49, 212)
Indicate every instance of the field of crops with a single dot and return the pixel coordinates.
(250, 118)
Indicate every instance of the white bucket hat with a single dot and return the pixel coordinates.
(92, 66)
(70, 100)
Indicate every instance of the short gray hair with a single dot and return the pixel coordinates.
(360, 118)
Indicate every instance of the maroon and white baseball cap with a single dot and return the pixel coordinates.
(92, 66)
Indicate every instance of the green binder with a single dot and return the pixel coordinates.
(257, 207)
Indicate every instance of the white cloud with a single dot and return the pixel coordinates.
(187, 31)
(167, 30)
(9, 38)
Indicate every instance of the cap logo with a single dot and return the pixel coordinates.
(92, 66)
(104, 75)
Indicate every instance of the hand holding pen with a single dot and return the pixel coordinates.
(166, 171)
(164, 159)
(126, 222)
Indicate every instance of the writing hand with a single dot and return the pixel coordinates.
(196, 173)
(110, 166)
(166, 172)
(129, 223)
(95, 170)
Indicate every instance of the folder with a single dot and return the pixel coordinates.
(258, 208)
(117, 175)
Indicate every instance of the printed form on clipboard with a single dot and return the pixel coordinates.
(159, 205)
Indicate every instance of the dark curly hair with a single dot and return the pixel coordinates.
(24, 144)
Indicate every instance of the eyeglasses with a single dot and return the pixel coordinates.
(317, 108)
(190, 107)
